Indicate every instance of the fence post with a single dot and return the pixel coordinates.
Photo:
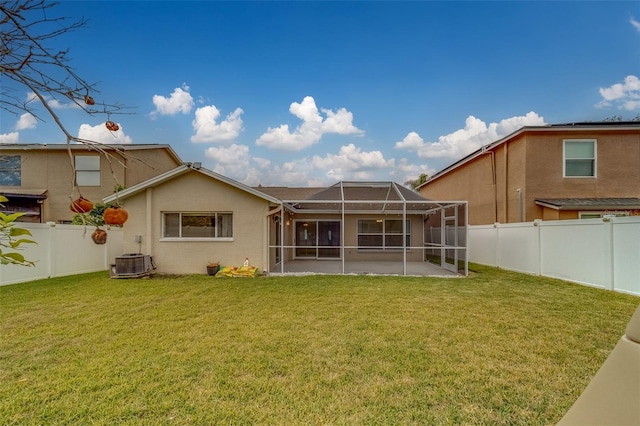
(51, 234)
(537, 223)
(496, 226)
(608, 222)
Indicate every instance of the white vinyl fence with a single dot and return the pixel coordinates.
(62, 250)
(602, 253)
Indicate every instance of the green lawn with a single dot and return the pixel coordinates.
(494, 348)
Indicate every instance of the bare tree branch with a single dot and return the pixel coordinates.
(25, 58)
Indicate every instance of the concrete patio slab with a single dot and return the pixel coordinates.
(359, 268)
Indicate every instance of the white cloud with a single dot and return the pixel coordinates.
(411, 142)
(405, 171)
(624, 95)
(340, 122)
(235, 162)
(351, 163)
(179, 101)
(207, 130)
(312, 128)
(231, 160)
(635, 23)
(9, 137)
(295, 173)
(26, 121)
(464, 141)
(101, 134)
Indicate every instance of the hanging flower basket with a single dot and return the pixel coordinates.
(112, 126)
(115, 215)
(99, 236)
(81, 205)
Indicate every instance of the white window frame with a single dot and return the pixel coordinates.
(589, 215)
(180, 236)
(87, 170)
(594, 159)
(384, 236)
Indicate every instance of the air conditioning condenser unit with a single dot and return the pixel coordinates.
(132, 265)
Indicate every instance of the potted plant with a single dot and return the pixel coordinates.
(213, 268)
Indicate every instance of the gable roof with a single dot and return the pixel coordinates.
(85, 147)
(566, 127)
(180, 170)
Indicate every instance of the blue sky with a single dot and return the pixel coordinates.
(310, 93)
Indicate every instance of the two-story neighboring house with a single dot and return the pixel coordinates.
(38, 178)
(563, 171)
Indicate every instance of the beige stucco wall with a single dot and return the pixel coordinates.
(195, 192)
(472, 183)
(51, 169)
(533, 162)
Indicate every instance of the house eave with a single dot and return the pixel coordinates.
(182, 169)
(596, 205)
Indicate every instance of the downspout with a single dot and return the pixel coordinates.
(149, 214)
(494, 185)
(506, 182)
(493, 182)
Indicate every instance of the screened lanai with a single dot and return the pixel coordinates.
(367, 227)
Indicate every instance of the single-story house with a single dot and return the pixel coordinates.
(190, 216)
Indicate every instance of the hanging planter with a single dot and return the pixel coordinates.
(99, 236)
(112, 126)
(115, 215)
(81, 205)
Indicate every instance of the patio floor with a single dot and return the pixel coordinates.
(360, 268)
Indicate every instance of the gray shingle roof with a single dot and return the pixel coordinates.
(365, 197)
(589, 203)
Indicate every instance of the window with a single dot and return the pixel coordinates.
(607, 213)
(10, 170)
(87, 170)
(379, 234)
(579, 158)
(197, 225)
(589, 215)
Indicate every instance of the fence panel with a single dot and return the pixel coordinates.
(577, 250)
(518, 247)
(483, 244)
(594, 252)
(74, 252)
(626, 249)
(62, 250)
